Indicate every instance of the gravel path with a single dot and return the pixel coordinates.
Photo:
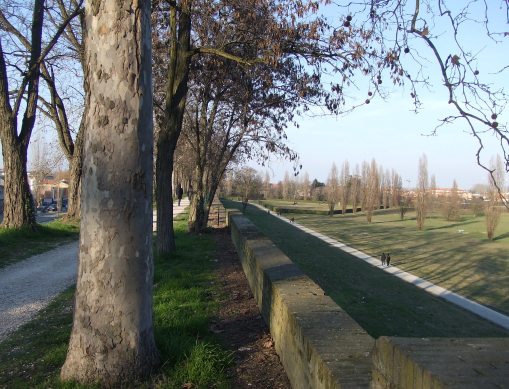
(29, 285)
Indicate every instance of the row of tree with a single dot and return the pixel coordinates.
(370, 187)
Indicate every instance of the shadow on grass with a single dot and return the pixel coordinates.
(447, 226)
(379, 302)
(501, 236)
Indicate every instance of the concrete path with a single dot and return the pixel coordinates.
(28, 286)
(463, 302)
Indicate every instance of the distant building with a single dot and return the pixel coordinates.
(48, 190)
(446, 192)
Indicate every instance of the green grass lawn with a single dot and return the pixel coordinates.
(185, 298)
(379, 302)
(16, 245)
(455, 255)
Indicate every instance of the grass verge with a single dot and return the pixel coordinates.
(184, 301)
(380, 303)
(18, 244)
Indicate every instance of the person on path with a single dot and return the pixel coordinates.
(388, 259)
(383, 259)
(180, 193)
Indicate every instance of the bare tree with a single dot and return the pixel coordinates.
(496, 180)
(248, 183)
(332, 188)
(20, 71)
(285, 189)
(344, 186)
(62, 74)
(452, 203)
(396, 189)
(305, 186)
(355, 188)
(112, 341)
(422, 192)
(372, 191)
(266, 186)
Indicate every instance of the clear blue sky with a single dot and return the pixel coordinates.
(394, 135)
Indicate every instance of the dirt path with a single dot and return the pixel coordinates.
(241, 328)
(238, 323)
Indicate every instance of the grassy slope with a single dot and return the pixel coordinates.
(379, 302)
(183, 303)
(16, 245)
(455, 255)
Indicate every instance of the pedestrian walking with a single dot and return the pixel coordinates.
(180, 193)
(388, 259)
(383, 258)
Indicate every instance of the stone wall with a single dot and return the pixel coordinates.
(439, 363)
(320, 346)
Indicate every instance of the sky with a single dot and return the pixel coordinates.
(394, 136)
(391, 133)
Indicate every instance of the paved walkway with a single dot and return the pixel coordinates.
(28, 286)
(463, 302)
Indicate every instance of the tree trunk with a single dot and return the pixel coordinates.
(18, 203)
(176, 95)
(197, 217)
(165, 242)
(112, 340)
(75, 173)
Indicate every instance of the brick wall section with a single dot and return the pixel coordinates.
(320, 346)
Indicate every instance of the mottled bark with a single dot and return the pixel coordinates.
(112, 340)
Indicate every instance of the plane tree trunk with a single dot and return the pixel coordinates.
(112, 341)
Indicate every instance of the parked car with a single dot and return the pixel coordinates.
(42, 208)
